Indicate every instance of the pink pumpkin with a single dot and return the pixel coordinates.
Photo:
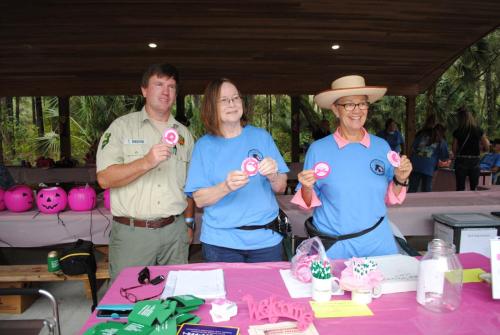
(19, 198)
(51, 200)
(82, 198)
(107, 199)
(2, 203)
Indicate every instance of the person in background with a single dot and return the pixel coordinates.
(234, 174)
(392, 135)
(428, 149)
(467, 141)
(152, 217)
(6, 180)
(491, 161)
(350, 212)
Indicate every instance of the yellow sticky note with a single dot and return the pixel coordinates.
(339, 309)
(472, 275)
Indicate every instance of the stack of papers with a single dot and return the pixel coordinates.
(202, 284)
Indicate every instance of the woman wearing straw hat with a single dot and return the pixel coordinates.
(349, 177)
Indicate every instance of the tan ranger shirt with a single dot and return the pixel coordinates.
(160, 191)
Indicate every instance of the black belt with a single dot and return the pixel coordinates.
(279, 225)
(329, 240)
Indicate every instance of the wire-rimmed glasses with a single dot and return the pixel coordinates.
(235, 100)
(124, 292)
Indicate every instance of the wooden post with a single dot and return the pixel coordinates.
(410, 123)
(39, 116)
(295, 125)
(64, 129)
(180, 111)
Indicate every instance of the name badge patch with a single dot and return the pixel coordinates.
(135, 141)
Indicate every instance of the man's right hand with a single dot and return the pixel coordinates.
(157, 154)
(307, 178)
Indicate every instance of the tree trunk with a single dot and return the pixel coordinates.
(10, 132)
(18, 110)
(1, 131)
(310, 115)
(64, 129)
(39, 116)
(295, 125)
(490, 102)
(180, 110)
(410, 123)
(33, 110)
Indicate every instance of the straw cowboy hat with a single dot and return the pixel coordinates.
(347, 86)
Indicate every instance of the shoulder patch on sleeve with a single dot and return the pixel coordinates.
(105, 141)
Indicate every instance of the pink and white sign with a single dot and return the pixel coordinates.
(321, 170)
(170, 136)
(250, 166)
(394, 158)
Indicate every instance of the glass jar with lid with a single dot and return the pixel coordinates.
(440, 274)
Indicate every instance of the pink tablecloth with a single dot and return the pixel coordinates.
(393, 313)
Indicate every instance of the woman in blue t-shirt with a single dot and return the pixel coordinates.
(233, 175)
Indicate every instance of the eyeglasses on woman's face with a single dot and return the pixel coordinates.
(235, 100)
(350, 106)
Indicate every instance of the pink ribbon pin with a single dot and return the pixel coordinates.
(170, 136)
(321, 170)
(250, 166)
(394, 158)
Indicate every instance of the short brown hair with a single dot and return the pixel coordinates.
(209, 114)
(160, 70)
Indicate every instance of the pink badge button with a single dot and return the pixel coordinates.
(250, 166)
(170, 136)
(321, 170)
(394, 158)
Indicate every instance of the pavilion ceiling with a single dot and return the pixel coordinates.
(94, 47)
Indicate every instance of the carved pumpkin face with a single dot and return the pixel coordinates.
(82, 198)
(51, 200)
(19, 198)
(2, 203)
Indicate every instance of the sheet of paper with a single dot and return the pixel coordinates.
(339, 309)
(472, 275)
(400, 273)
(202, 284)
(477, 240)
(298, 289)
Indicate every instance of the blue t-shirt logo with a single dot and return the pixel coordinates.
(256, 154)
(377, 167)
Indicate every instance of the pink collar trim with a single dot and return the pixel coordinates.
(342, 142)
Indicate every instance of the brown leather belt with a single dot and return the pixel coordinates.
(151, 224)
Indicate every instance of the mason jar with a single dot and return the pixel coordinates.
(440, 273)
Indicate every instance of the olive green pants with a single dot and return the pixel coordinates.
(134, 246)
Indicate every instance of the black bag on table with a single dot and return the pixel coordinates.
(79, 259)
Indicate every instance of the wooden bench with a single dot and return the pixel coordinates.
(39, 273)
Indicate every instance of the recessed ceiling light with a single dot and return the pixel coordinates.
(152, 45)
(335, 47)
